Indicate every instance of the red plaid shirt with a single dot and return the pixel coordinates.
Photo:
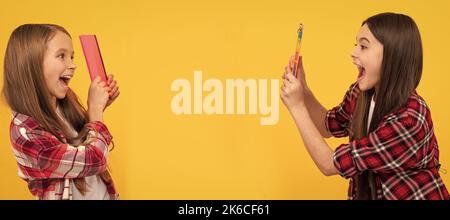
(402, 151)
(49, 165)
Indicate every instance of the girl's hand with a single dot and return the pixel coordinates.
(300, 71)
(293, 89)
(97, 99)
(113, 90)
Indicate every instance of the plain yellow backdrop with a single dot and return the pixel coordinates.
(148, 44)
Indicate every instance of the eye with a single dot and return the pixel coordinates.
(61, 56)
(361, 46)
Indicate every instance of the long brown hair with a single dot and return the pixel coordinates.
(26, 92)
(401, 70)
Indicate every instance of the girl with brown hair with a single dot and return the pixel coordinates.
(60, 147)
(393, 152)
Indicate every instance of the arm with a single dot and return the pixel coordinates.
(293, 96)
(316, 146)
(399, 144)
(316, 110)
(313, 120)
(100, 97)
(51, 158)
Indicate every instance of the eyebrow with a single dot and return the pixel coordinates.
(362, 38)
(64, 49)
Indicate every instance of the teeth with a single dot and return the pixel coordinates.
(66, 77)
(360, 68)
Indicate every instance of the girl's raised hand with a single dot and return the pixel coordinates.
(293, 89)
(300, 71)
(97, 99)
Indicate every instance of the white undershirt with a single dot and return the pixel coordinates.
(96, 188)
(372, 106)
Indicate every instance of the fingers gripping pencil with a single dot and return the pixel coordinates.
(297, 49)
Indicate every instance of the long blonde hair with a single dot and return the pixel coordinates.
(25, 90)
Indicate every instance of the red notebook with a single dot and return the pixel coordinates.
(93, 57)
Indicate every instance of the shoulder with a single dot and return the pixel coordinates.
(418, 109)
(415, 107)
(25, 129)
(23, 121)
(414, 112)
(416, 104)
(21, 125)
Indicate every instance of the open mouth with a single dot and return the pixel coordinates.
(65, 79)
(361, 71)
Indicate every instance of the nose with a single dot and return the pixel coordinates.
(72, 65)
(354, 53)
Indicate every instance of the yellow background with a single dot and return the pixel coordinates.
(148, 44)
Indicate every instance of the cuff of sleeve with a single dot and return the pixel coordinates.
(101, 129)
(333, 126)
(344, 162)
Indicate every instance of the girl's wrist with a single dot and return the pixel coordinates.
(308, 92)
(95, 118)
(299, 106)
(298, 110)
(95, 114)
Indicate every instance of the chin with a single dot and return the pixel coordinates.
(61, 96)
(364, 87)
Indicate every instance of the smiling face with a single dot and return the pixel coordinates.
(58, 66)
(368, 57)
